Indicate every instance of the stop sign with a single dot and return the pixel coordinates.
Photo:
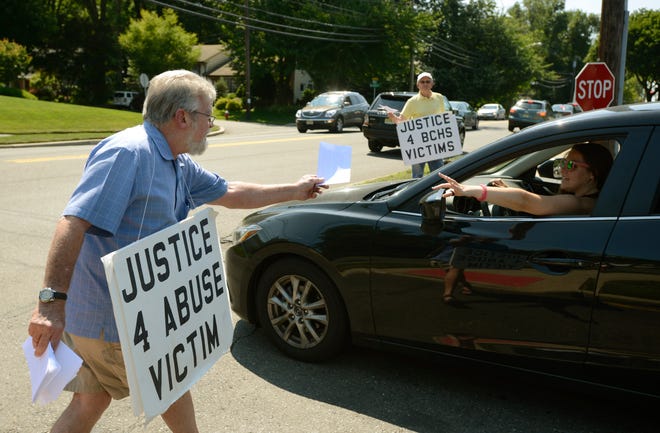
(594, 86)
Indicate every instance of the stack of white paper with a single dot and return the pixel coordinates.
(50, 372)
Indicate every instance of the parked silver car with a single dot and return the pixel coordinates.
(332, 111)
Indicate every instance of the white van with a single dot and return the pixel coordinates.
(123, 98)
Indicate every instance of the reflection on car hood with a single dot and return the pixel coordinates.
(336, 199)
(319, 109)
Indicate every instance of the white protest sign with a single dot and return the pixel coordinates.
(429, 138)
(172, 310)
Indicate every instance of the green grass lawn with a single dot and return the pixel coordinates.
(29, 121)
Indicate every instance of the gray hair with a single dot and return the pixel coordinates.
(172, 90)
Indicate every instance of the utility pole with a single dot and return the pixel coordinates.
(613, 38)
(248, 94)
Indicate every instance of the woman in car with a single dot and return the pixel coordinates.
(583, 170)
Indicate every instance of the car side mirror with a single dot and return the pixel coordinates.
(547, 170)
(433, 208)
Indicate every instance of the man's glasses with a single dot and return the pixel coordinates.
(211, 118)
(566, 164)
(425, 82)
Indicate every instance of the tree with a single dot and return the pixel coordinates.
(341, 44)
(643, 59)
(14, 60)
(562, 38)
(155, 44)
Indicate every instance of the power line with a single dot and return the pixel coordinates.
(245, 21)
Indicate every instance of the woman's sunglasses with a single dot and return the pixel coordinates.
(567, 164)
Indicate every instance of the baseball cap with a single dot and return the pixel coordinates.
(424, 74)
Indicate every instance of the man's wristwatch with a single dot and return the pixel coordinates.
(49, 295)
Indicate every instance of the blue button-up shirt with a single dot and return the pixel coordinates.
(132, 186)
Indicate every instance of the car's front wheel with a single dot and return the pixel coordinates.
(301, 311)
(339, 125)
(302, 129)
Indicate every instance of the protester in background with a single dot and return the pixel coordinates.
(135, 183)
(424, 103)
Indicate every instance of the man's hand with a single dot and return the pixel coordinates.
(46, 325)
(309, 186)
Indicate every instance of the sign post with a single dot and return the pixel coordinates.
(594, 86)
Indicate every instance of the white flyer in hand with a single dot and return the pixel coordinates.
(50, 372)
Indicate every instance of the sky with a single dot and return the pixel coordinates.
(591, 6)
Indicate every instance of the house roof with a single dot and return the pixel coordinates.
(213, 58)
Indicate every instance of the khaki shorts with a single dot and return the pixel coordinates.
(102, 369)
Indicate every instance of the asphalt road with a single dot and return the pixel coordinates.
(254, 388)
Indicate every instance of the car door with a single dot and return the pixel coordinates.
(508, 285)
(626, 317)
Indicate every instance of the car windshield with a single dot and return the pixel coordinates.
(490, 106)
(322, 100)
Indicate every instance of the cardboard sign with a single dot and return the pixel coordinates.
(429, 138)
(172, 310)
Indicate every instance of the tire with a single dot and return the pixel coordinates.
(339, 125)
(461, 135)
(511, 127)
(374, 146)
(301, 311)
(302, 129)
(476, 124)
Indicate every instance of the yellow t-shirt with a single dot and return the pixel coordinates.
(420, 106)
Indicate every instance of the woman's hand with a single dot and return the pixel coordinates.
(455, 188)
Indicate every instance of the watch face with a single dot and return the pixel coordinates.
(46, 295)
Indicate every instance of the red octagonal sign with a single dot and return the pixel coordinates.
(594, 86)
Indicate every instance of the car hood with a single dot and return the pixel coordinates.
(319, 108)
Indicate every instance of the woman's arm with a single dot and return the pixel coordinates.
(519, 199)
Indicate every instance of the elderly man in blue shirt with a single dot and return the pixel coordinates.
(135, 183)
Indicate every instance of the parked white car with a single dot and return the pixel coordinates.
(491, 112)
(124, 98)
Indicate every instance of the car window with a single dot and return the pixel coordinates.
(534, 172)
(531, 105)
(396, 103)
(326, 100)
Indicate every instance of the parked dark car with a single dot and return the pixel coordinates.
(527, 112)
(566, 109)
(332, 111)
(574, 295)
(491, 112)
(465, 110)
(379, 130)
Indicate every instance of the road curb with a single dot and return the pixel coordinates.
(221, 130)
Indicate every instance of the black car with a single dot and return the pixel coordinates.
(465, 110)
(528, 112)
(573, 295)
(332, 111)
(379, 130)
